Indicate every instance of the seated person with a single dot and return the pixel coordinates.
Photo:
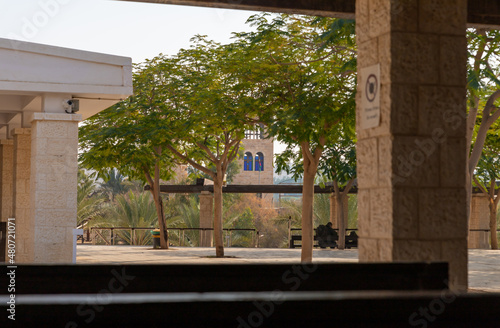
(326, 236)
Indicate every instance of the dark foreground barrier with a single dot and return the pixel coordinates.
(294, 295)
(78, 279)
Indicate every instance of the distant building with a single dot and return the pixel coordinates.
(257, 162)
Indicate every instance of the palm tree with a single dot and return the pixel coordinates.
(115, 184)
(90, 203)
(187, 215)
(133, 210)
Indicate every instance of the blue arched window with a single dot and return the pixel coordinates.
(259, 162)
(248, 162)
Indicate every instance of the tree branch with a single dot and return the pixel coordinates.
(207, 150)
(487, 121)
(306, 151)
(190, 161)
(349, 186)
(480, 186)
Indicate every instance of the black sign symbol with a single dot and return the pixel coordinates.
(371, 87)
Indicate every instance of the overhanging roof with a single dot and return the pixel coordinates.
(29, 72)
(480, 12)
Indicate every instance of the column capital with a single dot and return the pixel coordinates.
(56, 117)
(7, 142)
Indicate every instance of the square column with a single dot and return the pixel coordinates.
(334, 219)
(479, 219)
(25, 233)
(411, 165)
(6, 179)
(206, 218)
(53, 185)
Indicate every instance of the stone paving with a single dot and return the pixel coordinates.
(484, 265)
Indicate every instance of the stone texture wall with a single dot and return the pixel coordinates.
(6, 179)
(53, 185)
(265, 177)
(480, 219)
(411, 168)
(25, 230)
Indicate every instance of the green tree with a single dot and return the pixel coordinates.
(486, 176)
(187, 216)
(114, 183)
(483, 94)
(304, 70)
(121, 136)
(89, 201)
(207, 114)
(133, 210)
(338, 163)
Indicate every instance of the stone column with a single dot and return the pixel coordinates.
(206, 218)
(479, 219)
(6, 178)
(333, 210)
(25, 233)
(411, 167)
(54, 171)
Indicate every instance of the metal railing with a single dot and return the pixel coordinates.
(111, 235)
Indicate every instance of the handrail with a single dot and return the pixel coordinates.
(95, 232)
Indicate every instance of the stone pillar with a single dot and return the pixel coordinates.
(333, 210)
(411, 167)
(6, 179)
(54, 171)
(206, 218)
(25, 233)
(479, 219)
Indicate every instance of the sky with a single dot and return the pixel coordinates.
(130, 29)
(136, 30)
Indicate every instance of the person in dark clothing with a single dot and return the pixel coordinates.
(331, 236)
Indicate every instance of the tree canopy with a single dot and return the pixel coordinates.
(303, 69)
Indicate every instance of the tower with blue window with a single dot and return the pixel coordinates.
(257, 161)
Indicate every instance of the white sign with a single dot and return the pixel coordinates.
(370, 96)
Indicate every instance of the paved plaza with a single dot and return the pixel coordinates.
(484, 265)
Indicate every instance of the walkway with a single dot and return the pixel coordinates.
(484, 265)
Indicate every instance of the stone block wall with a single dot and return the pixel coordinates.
(479, 219)
(25, 229)
(265, 177)
(411, 167)
(53, 186)
(6, 179)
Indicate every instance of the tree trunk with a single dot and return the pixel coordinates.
(307, 215)
(341, 214)
(493, 224)
(218, 232)
(494, 199)
(159, 208)
(339, 198)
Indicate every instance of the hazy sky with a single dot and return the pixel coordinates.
(128, 29)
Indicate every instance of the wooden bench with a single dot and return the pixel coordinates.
(295, 238)
(350, 240)
(238, 295)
